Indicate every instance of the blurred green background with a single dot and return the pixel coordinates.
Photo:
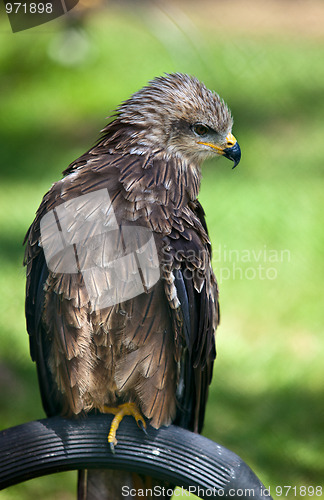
(59, 82)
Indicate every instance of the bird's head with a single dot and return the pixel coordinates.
(179, 114)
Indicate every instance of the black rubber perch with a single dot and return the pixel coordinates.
(173, 454)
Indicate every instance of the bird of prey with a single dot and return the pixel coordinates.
(121, 299)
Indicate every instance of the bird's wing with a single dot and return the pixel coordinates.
(65, 318)
(64, 328)
(198, 313)
(165, 345)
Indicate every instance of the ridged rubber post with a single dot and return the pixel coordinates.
(181, 457)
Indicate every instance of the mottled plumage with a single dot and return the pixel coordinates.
(156, 349)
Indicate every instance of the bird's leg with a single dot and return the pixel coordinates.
(120, 412)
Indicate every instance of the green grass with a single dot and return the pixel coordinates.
(266, 399)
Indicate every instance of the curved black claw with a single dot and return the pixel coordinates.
(112, 448)
(141, 425)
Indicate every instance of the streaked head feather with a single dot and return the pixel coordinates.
(164, 111)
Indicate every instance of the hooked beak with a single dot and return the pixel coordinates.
(232, 150)
(233, 153)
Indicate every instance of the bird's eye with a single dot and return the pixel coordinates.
(200, 129)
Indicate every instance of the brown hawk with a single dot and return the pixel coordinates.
(121, 299)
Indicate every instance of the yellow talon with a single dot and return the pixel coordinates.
(120, 412)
